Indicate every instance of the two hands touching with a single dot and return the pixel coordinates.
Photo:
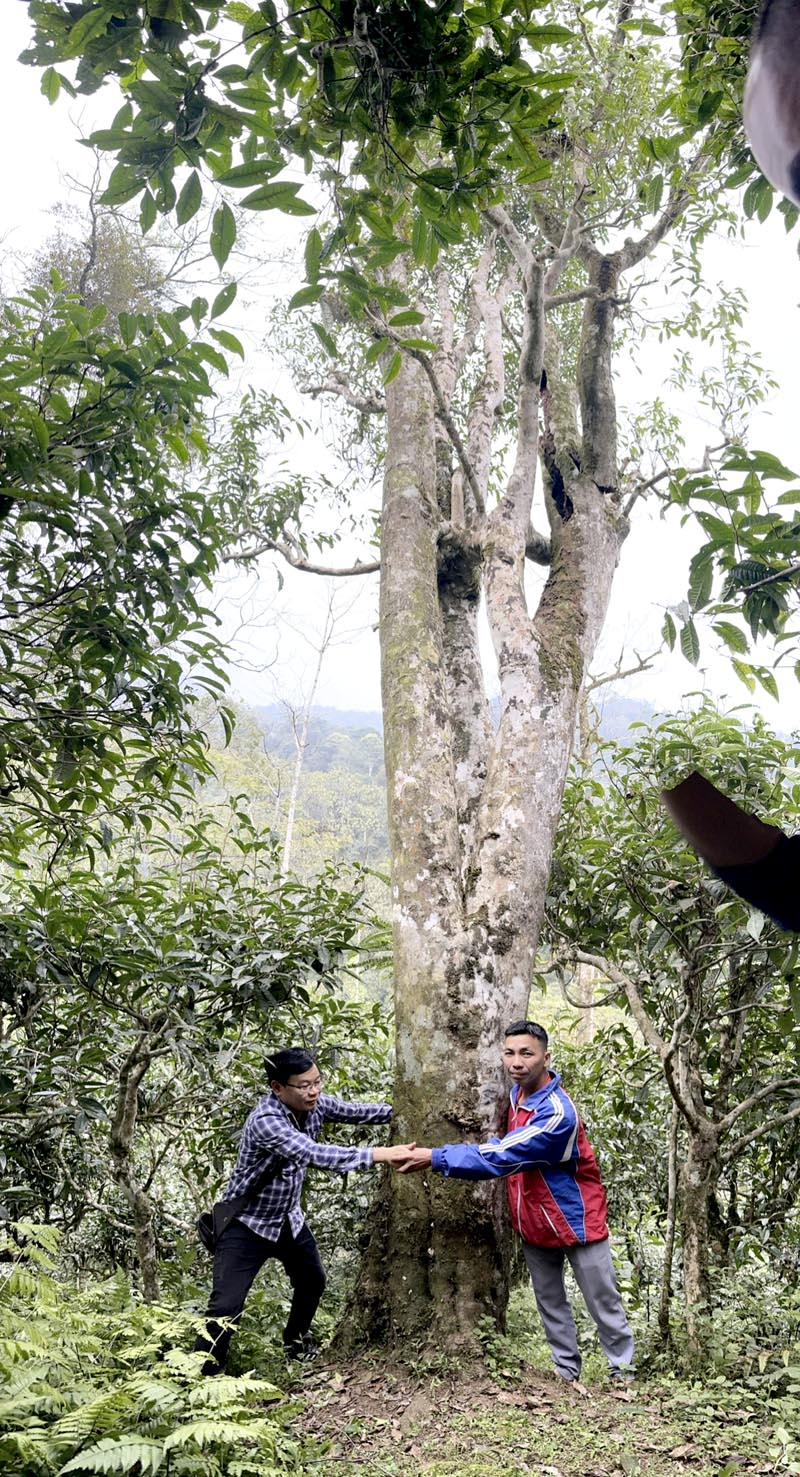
(405, 1158)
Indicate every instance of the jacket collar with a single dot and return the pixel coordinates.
(538, 1097)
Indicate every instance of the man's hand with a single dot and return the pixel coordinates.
(417, 1160)
(396, 1154)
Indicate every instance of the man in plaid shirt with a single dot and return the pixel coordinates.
(281, 1134)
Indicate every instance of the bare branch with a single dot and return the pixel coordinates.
(643, 664)
(369, 404)
(705, 466)
(770, 1089)
(735, 1150)
(274, 546)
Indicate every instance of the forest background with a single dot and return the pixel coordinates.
(186, 880)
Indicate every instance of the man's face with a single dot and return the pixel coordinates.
(527, 1061)
(300, 1093)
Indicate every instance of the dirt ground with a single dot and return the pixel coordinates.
(376, 1420)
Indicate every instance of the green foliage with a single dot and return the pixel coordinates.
(747, 567)
(96, 1382)
(716, 981)
(291, 87)
(105, 544)
(163, 957)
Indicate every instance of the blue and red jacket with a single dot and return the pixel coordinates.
(555, 1192)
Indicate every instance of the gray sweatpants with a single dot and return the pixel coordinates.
(594, 1274)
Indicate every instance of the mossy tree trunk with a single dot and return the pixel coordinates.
(473, 808)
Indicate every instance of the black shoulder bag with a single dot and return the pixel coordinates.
(212, 1223)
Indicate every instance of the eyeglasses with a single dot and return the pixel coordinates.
(305, 1087)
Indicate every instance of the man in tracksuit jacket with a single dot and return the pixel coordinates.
(556, 1198)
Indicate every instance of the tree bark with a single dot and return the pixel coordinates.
(121, 1142)
(472, 818)
(697, 1181)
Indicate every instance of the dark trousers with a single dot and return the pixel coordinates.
(239, 1256)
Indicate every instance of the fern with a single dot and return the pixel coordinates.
(225, 1388)
(107, 1412)
(123, 1455)
(95, 1382)
(205, 1433)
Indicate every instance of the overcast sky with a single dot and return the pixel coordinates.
(40, 153)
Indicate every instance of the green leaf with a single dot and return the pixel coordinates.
(123, 184)
(375, 350)
(690, 642)
(325, 339)
(313, 254)
(768, 682)
(409, 317)
(92, 23)
(223, 299)
(50, 84)
(304, 297)
(731, 635)
(249, 174)
(547, 35)
(419, 238)
(278, 196)
(148, 211)
(393, 368)
(701, 579)
(223, 234)
(190, 199)
(668, 631)
(228, 340)
(745, 674)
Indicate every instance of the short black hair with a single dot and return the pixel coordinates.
(288, 1062)
(527, 1028)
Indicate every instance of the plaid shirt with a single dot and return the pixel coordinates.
(273, 1130)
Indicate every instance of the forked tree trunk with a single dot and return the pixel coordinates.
(473, 816)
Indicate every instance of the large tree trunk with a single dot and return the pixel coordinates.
(473, 816)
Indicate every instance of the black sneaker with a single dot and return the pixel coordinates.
(301, 1350)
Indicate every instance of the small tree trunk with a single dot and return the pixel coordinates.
(121, 1142)
(669, 1237)
(697, 1181)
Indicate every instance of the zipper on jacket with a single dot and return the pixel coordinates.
(550, 1224)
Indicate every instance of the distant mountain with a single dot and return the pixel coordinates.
(618, 713)
(344, 737)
